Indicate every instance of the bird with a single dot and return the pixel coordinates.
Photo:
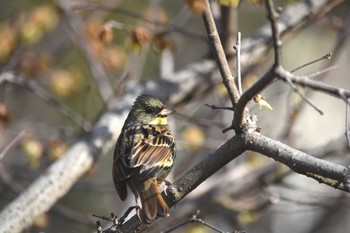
(144, 155)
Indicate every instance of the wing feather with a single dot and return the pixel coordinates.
(149, 148)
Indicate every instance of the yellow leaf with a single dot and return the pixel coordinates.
(260, 2)
(260, 99)
(33, 150)
(194, 137)
(264, 104)
(65, 83)
(228, 3)
(247, 217)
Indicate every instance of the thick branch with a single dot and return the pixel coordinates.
(248, 95)
(323, 171)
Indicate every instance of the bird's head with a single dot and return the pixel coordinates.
(149, 110)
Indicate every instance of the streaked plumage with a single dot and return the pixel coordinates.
(144, 156)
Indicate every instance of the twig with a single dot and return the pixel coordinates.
(277, 43)
(238, 62)
(48, 98)
(239, 120)
(317, 73)
(14, 141)
(221, 108)
(75, 31)
(220, 55)
(325, 57)
(316, 85)
(272, 15)
(347, 129)
(195, 219)
(303, 96)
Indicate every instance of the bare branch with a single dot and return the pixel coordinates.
(321, 170)
(238, 62)
(47, 97)
(76, 33)
(14, 141)
(331, 174)
(325, 57)
(240, 109)
(315, 85)
(221, 108)
(220, 55)
(347, 119)
(272, 15)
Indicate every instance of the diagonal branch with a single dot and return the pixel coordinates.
(323, 171)
(335, 91)
(219, 54)
(100, 74)
(46, 97)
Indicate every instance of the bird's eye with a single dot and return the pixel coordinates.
(150, 109)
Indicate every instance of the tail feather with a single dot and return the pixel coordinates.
(153, 204)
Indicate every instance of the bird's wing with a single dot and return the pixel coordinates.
(119, 171)
(151, 147)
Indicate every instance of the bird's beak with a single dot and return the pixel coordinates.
(166, 111)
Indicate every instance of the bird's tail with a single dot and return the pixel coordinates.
(153, 204)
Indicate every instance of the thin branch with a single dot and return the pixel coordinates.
(48, 98)
(240, 109)
(195, 219)
(220, 108)
(347, 119)
(238, 62)
(247, 96)
(325, 57)
(323, 71)
(14, 141)
(277, 43)
(303, 96)
(272, 15)
(75, 27)
(315, 85)
(220, 55)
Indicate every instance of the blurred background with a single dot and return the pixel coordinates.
(62, 51)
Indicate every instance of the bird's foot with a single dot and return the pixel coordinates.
(166, 184)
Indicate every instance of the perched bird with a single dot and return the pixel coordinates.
(144, 155)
